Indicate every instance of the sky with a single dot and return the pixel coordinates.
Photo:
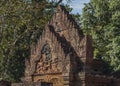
(77, 5)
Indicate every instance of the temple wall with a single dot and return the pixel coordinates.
(71, 55)
(56, 79)
(99, 80)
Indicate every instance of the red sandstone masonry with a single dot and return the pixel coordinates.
(74, 48)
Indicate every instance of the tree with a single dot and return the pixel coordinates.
(100, 19)
(21, 24)
(17, 33)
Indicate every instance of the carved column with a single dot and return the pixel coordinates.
(28, 77)
(66, 79)
(67, 73)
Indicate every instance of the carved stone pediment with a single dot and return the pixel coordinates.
(61, 52)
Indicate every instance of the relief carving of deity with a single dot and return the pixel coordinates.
(47, 64)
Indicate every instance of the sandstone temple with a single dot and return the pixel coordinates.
(64, 56)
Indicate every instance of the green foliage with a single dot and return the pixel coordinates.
(101, 19)
(21, 24)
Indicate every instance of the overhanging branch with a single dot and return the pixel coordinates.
(58, 2)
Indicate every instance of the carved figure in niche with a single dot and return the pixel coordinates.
(47, 67)
(66, 67)
(58, 28)
(54, 81)
(46, 51)
(40, 66)
(47, 64)
(55, 66)
(43, 65)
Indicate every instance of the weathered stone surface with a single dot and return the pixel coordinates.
(63, 55)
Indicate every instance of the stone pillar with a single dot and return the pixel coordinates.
(66, 79)
(27, 77)
(81, 80)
